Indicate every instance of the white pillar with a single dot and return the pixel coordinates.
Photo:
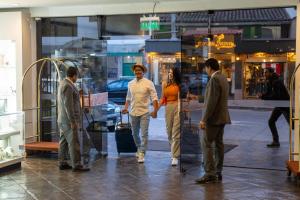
(297, 86)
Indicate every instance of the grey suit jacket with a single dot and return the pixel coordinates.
(215, 101)
(68, 101)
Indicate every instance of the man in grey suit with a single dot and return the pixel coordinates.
(69, 120)
(215, 116)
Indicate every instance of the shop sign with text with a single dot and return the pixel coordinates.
(218, 42)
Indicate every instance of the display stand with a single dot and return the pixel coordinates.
(11, 140)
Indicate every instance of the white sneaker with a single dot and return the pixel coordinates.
(141, 158)
(174, 161)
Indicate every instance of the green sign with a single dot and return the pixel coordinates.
(147, 25)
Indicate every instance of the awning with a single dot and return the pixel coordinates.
(214, 31)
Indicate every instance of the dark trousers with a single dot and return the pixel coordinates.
(213, 149)
(274, 117)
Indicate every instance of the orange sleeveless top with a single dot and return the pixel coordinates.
(170, 94)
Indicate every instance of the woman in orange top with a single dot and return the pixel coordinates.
(170, 99)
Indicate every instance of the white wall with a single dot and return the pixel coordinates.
(16, 25)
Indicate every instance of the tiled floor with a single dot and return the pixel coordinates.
(118, 178)
(251, 171)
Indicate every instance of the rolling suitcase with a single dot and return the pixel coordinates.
(124, 138)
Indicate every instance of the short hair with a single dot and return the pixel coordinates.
(270, 69)
(72, 71)
(213, 64)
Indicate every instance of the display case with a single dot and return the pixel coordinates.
(11, 140)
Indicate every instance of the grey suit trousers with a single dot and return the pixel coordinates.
(213, 149)
(69, 145)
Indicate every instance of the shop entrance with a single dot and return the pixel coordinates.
(249, 130)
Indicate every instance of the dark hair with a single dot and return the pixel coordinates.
(72, 71)
(176, 76)
(270, 69)
(212, 63)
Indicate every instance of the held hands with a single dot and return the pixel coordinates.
(202, 125)
(125, 111)
(153, 114)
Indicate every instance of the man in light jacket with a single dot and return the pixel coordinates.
(215, 116)
(69, 120)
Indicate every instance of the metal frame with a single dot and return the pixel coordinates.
(291, 88)
(56, 63)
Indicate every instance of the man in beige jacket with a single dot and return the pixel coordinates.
(215, 116)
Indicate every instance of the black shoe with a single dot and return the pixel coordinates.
(64, 167)
(219, 176)
(80, 169)
(206, 179)
(273, 145)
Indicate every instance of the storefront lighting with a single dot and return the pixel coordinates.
(193, 58)
(219, 61)
(260, 54)
(271, 60)
(237, 58)
(264, 60)
(128, 57)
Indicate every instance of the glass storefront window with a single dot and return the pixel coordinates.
(76, 41)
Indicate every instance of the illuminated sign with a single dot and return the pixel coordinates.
(149, 23)
(260, 54)
(217, 43)
(291, 56)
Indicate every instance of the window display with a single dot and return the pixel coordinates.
(254, 82)
(11, 139)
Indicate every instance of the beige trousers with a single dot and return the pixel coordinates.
(173, 128)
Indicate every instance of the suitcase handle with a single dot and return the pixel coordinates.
(121, 117)
(88, 118)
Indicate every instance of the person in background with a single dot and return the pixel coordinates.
(275, 90)
(69, 120)
(215, 116)
(140, 91)
(170, 99)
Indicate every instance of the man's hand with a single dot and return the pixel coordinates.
(125, 111)
(153, 114)
(202, 125)
(74, 125)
